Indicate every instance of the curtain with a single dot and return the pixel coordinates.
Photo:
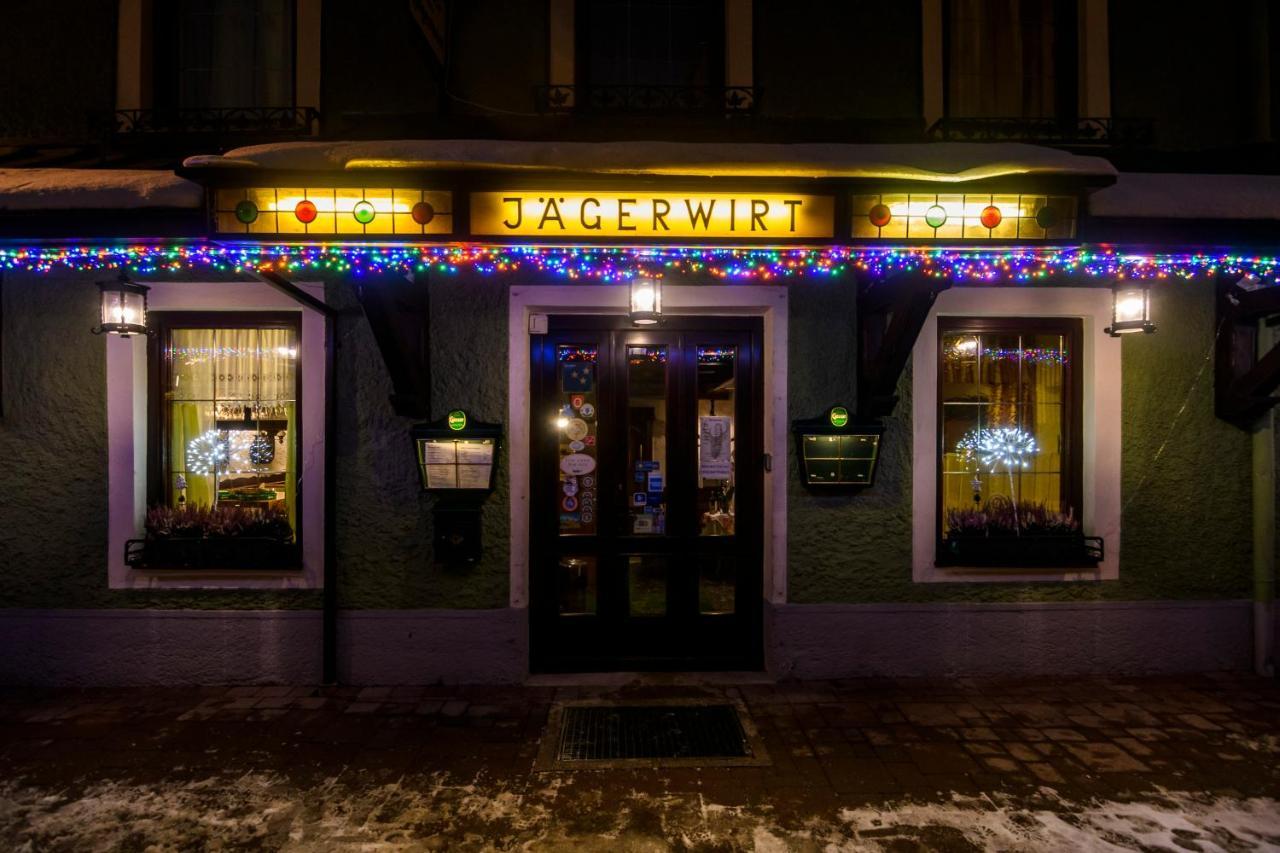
(218, 374)
(1001, 58)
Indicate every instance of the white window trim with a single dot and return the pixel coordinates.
(1100, 416)
(127, 438)
(768, 302)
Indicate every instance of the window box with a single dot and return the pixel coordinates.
(189, 553)
(1004, 551)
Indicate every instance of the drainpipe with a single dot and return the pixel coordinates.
(329, 617)
(1264, 529)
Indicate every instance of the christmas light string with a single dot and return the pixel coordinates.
(619, 264)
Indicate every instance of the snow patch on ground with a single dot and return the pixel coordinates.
(942, 162)
(1168, 196)
(95, 189)
(359, 812)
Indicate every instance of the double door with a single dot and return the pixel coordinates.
(646, 495)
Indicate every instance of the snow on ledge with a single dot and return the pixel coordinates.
(1174, 196)
(944, 162)
(95, 189)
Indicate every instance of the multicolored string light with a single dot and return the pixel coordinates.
(611, 264)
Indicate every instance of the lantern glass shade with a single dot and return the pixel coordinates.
(646, 301)
(124, 308)
(1130, 310)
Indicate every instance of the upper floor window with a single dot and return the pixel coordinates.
(1010, 425)
(214, 54)
(1010, 58)
(626, 43)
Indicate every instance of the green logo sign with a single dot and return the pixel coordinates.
(839, 416)
(457, 420)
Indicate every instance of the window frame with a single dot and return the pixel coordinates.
(1072, 466)
(160, 376)
(1067, 15)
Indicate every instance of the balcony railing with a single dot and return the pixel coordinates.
(652, 100)
(1101, 132)
(221, 121)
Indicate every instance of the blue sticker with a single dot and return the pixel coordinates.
(638, 499)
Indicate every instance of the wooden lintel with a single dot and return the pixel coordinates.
(1244, 378)
(398, 310)
(890, 316)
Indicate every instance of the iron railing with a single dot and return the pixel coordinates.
(657, 100)
(220, 121)
(1100, 132)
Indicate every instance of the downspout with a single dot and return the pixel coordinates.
(1264, 529)
(329, 617)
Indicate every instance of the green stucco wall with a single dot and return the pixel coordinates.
(1185, 474)
(1185, 478)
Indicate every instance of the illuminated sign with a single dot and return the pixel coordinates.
(651, 216)
(329, 210)
(963, 216)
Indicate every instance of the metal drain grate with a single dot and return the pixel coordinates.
(602, 733)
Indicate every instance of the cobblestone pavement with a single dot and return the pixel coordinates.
(1140, 764)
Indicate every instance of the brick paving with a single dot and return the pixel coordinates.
(834, 746)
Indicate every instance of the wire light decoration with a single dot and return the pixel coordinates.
(1007, 447)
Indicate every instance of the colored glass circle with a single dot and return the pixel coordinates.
(423, 213)
(880, 215)
(935, 216)
(246, 211)
(305, 210)
(364, 212)
(1046, 217)
(990, 217)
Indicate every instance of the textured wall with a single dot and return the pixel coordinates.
(1185, 474)
(384, 532)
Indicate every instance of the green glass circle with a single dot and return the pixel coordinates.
(935, 216)
(364, 212)
(246, 211)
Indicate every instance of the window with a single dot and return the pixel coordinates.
(1010, 58)
(1009, 400)
(224, 405)
(214, 54)
(646, 43)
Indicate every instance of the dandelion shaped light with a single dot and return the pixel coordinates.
(207, 453)
(1005, 447)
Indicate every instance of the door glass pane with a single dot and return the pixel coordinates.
(716, 395)
(647, 585)
(577, 585)
(717, 584)
(577, 425)
(646, 441)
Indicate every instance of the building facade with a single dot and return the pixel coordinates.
(398, 414)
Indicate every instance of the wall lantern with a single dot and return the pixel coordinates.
(835, 453)
(124, 308)
(1130, 310)
(646, 301)
(458, 460)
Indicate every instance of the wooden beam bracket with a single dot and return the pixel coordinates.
(1244, 378)
(398, 310)
(891, 313)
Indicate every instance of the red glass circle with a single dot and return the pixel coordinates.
(1046, 217)
(305, 210)
(423, 213)
(880, 215)
(990, 216)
